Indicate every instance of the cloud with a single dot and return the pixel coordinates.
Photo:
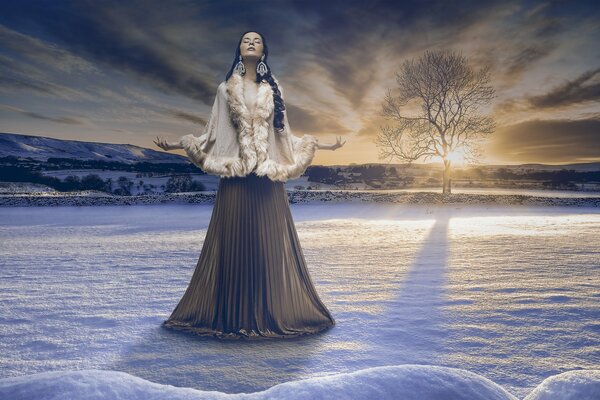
(60, 120)
(372, 126)
(30, 65)
(584, 88)
(538, 37)
(548, 141)
(42, 52)
(39, 87)
(174, 46)
(19, 85)
(303, 120)
(352, 45)
(187, 116)
(127, 37)
(522, 61)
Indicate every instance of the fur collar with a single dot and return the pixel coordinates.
(252, 127)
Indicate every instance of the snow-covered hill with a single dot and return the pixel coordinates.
(423, 382)
(41, 148)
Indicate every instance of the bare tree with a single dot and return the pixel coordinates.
(449, 93)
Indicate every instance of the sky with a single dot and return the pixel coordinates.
(128, 71)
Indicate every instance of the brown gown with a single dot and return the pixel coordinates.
(251, 280)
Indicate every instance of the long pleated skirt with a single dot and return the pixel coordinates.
(251, 280)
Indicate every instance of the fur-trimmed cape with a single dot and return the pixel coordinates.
(236, 142)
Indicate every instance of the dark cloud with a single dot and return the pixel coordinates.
(552, 141)
(135, 37)
(524, 59)
(538, 37)
(307, 121)
(187, 117)
(546, 28)
(347, 38)
(585, 87)
(17, 84)
(582, 89)
(121, 35)
(30, 114)
(34, 51)
(373, 126)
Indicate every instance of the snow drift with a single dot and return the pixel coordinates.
(388, 382)
(571, 385)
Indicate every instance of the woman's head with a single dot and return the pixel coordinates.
(243, 52)
(253, 46)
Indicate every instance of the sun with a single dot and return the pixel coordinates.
(457, 157)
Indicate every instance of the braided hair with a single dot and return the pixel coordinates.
(277, 99)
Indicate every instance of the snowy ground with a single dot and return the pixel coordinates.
(510, 293)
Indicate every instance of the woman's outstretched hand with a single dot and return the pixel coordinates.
(163, 144)
(338, 143)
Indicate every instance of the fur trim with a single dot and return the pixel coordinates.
(253, 129)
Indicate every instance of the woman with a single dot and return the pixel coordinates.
(251, 280)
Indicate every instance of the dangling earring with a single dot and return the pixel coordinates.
(261, 67)
(239, 67)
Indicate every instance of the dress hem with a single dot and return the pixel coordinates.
(242, 333)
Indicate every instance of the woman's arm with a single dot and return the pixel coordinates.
(186, 140)
(333, 146)
(165, 145)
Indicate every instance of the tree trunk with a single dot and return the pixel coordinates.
(446, 177)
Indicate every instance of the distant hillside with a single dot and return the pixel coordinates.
(579, 167)
(41, 148)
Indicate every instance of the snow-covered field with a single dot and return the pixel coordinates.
(509, 293)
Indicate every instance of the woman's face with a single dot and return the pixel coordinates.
(251, 46)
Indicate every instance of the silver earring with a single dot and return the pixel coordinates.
(239, 67)
(261, 67)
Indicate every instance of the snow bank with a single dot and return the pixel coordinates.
(392, 382)
(572, 385)
(389, 382)
(94, 384)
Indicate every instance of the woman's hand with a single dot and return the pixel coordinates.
(163, 144)
(338, 143)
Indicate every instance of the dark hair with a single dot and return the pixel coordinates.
(279, 104)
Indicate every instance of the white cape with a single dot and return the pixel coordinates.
(236, 142)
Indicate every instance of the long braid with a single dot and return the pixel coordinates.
(279, 103)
